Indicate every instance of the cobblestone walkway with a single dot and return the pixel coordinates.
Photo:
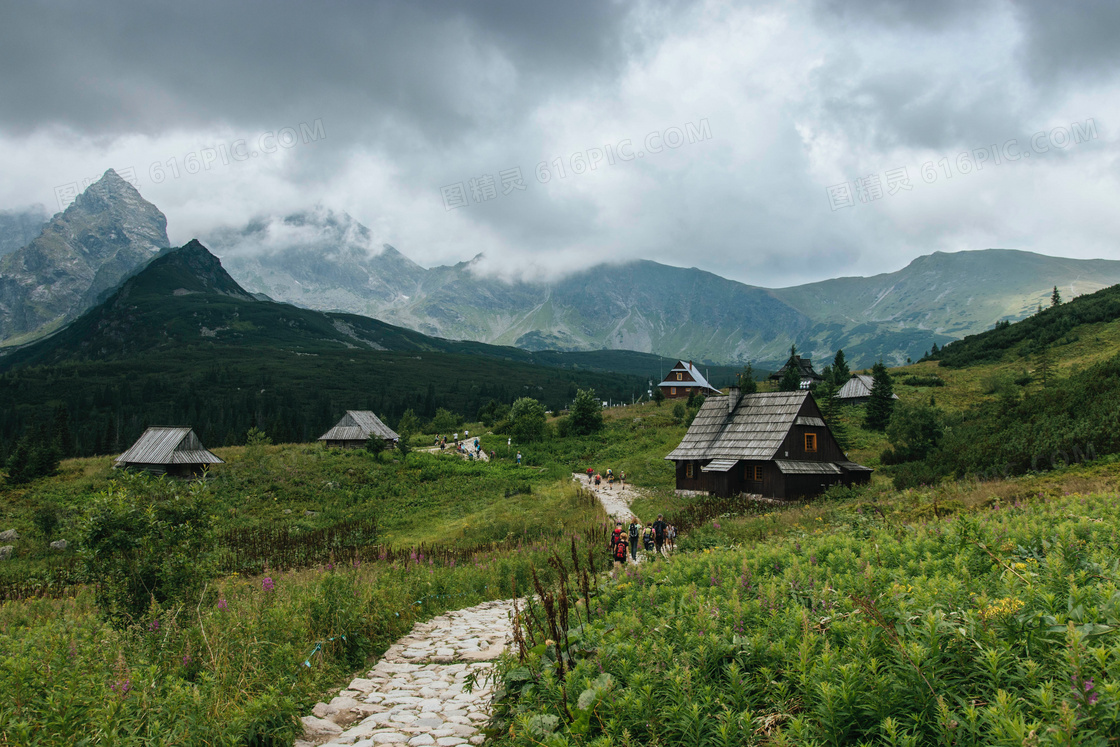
(415, 695)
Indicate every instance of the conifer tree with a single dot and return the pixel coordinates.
(830, 411)
(840, 371)
(881, 402)
(791, 379)
(747, 384)
(1055, 297)
(658, 396)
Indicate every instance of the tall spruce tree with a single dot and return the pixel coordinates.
(840, 371)
(1055, 297)
(747, 384)
(881, 402)
(830, 411)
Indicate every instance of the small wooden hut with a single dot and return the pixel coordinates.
(857, 390)
(684, 380)
(773, 444)
(357, 427)
(164, 450)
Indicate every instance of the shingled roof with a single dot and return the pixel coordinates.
(754, 430)
(359, 425)
(167, 445)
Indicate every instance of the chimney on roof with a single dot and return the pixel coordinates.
(733, 395)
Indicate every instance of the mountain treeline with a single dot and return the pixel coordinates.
(106, 405)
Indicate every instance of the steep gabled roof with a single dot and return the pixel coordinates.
(164, 445)
(359, 425)
(689, 368)
(857, 387)
(804, 369)
(754, 430)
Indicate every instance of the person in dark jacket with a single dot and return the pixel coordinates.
(635, 532)
(660, 529)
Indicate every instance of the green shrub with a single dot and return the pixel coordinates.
(147, 543)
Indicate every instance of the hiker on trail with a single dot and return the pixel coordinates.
(622, 478)
(647, 540)
(598, 477)
(519, 459)
(635, 534)
(491, 455)
(618, 550)
(671, 538)
(456, 438)
(659, 531)
(590, 472)
(476, 443)
(466, 435)
(616, 533)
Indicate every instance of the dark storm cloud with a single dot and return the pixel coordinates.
(1076, 40)
(443, 68)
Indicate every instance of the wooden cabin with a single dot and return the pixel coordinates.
(684, 380)
(357, 427)
(773, 444)
(173, 451)
(857, 390)
(804, 370)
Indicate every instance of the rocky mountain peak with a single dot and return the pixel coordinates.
(105, 235)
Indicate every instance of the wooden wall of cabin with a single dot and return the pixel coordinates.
(700, 480)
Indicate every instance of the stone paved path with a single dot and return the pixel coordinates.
(616, 500)
(415, 695)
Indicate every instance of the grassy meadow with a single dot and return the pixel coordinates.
(970, 612)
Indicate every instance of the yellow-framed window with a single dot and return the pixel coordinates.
(810, 442)
(680, 377)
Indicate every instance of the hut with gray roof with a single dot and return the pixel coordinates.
(168, 450)
(357, 427)
(857, 390)
(771, 444)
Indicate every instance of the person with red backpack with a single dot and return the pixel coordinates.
(621, 548)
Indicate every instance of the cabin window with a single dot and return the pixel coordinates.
(672, 390)
(688, 470)
(758, 473)
(680, 377)
(810, 442)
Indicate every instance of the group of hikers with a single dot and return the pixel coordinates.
(658, 537)
(596, 479)
(471, 449)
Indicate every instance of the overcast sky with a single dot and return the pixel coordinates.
(792, 123)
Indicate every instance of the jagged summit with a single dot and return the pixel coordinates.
(102, 237)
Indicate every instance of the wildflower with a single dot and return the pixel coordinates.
(330, 566)
(153, 626)
(266, 583)
(121, 687)
(186, 659)
(223, 604)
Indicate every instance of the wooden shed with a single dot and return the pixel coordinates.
(857, 390)
(355, 428)
(168, 450)
(684, 380)
(773, 444)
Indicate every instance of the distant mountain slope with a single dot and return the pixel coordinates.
(318, 259)
(325, 260)
(1053, 326)
(954, 294)
(19, 227)
(107, 233)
